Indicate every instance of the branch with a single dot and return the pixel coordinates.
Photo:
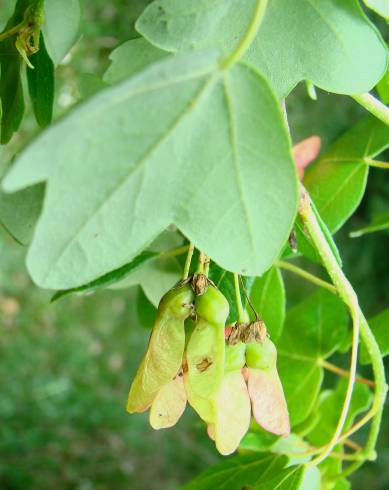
(348, 295)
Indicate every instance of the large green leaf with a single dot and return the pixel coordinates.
(290, 478)
(19, 212)
(166, 140)
(330, 409)
(337, 181)
(61, 27)
(380, 327)
(255, 470)
(313, 331)
(268, 298)
(329, 42)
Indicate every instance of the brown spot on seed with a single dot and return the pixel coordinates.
(204, 364)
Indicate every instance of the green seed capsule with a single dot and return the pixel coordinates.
(235, 357)
(261, 355)
(163, 358)
(205, 352)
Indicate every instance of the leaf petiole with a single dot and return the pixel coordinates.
(238, 299)
(373, 105)
(249, 36)
(376, 163)
(281, 264)
(188, 260)
(344, 373)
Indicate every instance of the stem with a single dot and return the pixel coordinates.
(249, 300)
(306, 275)
(188, 260)
(373, 105)
(200, 265)
(348, 295)
(344, 373)
(350, 469)
(11, 32)
(376, 163)
(238, 298)
(248, 37)
(174, 252)
(380, 383)
(352, 444)
(206, 265)
(378, 369)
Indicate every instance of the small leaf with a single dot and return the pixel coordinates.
(109, 278)
(130, 58)
(288, 479)
(336, 40)
(160, 274)
(157, 177)
(293, 444)
(11, 89)
(342, 485)
(380, 328)
(268, 298)
(239, 471)
(61, 27)
(155, 276)
(41, 84)
(379, 222)
(19, 212)
(311, 479)
(381, 7)
(260, 440)
(313, 330)
(330, 409)
(337, 181)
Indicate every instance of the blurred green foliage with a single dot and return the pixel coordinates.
(65, 368)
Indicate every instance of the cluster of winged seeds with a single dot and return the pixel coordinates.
(225, 373)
